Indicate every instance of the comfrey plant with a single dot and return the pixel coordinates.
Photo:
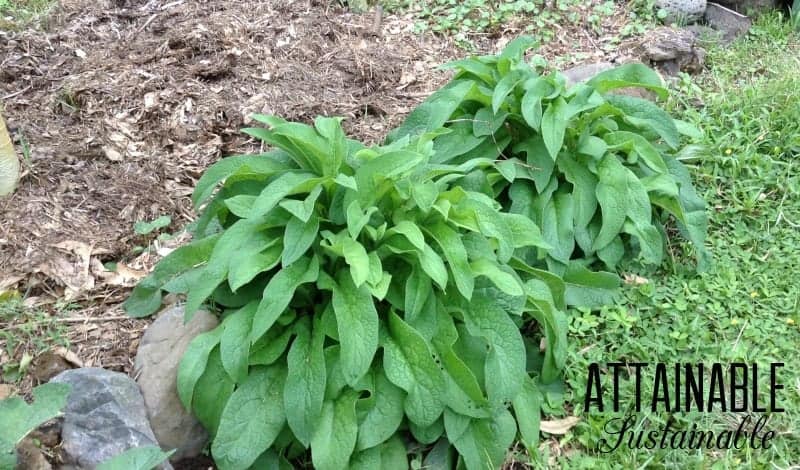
(597, 171)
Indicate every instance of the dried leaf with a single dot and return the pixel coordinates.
(559, 426)
(69, 356)
(635, 280)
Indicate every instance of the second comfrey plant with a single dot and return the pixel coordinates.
(599, 171)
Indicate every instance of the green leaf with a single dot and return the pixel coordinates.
(558, 223)
(212, 391)
(629, 75)
(504, 281)
(246, 264)
(282, 186)
(523, 231)
(298, 238)
(357, 218)
(263, 164)
(335, 437)
(644, 114)
(356, 257)
(235, 239)
(432, 264)
(527, 408)
(471, 66)
(143, 228)
(505, 361)
(408, 363)
(366, 459)
(279, 293)
(505, 86)
(482, 443)
(554, 125)
(453, 249)
(531, 107)
(631, 141)
(382, 412)
(20, 418)
(435, 111)
(234, 343)
(146, 297)
(486, 122)
(302, 209)
(357, 324)
(409, 230)
(589, 289)
(538, 157)
(304, 391)
(516, 48)
(584, 198)
(270, 347)
(193, 363)
(251, 420)
(417, 291)
(137, 458)
(620, 194)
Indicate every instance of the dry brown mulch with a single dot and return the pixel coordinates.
(124, 103)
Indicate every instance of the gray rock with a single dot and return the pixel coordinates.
(156, 369)
(730, 23)
(104, 417)
(672, 50)
(682, 11)
(584, 72)
(750, 6)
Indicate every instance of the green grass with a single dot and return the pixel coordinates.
(25, 332)
(747, 309)
(15, 14)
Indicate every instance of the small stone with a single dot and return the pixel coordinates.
(156, 368)
(30, 457)
(673, 50)
(104, 416)
(584, 72)
(47, 365)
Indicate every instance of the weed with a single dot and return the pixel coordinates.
(26, 332)
(16, 14)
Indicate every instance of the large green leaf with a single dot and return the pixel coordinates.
(357, 324)
(554, 125)
(505, 361)
(251, 420)
(279, 293)
(629, 75)
(193, 363)
(482, 443)
(456, 256)
(20, 418)
(137, 458)
(298, 238)
(408, 362)
(335, 437)
(646, 115)
(235, 341)
(304, 391)
(381, 414)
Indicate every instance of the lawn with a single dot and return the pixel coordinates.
(745, 309)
